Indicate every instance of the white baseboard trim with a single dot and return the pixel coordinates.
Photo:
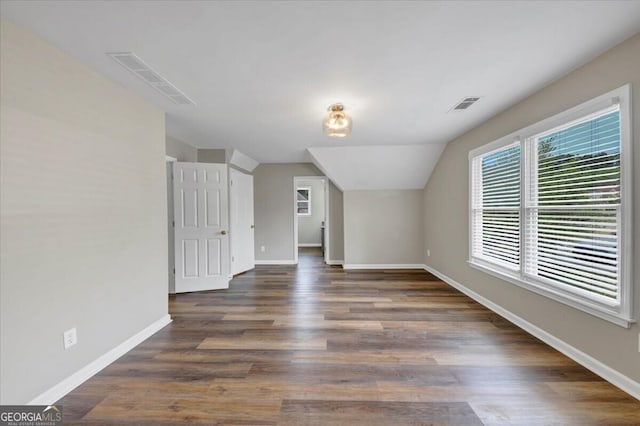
(275, 262)
(614, 377)
(310, 245)
(76, 379)
(335, 262)
(382, 266)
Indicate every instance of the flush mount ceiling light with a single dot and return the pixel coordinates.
(336, 122)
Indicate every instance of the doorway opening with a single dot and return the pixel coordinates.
(311, 218)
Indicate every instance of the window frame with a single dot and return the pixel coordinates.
(620, 311)
(502, 144)
(307, 201)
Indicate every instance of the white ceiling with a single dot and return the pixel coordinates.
(262, 73)
(377, 167)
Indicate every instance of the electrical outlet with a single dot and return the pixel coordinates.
(70, 338)
(262, 249)
(428, 252)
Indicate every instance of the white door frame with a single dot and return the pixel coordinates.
(235, 174)
(171, 258)
(327, 222)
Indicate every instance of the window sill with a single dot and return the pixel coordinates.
(581, 304)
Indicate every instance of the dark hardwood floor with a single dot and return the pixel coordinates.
(316, 345)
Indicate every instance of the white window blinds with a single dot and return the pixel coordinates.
(573, 205)
(496, 206)
(550, 207)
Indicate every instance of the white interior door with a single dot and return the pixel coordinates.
(241, 210)
(201, 225)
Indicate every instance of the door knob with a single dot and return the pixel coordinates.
(223, 232)
(253, 226)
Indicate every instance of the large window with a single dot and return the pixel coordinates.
(550, 207)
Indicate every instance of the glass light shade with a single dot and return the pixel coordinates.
(336, 122)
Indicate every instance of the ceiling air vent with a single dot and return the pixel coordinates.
(465, 103)
(133, 63)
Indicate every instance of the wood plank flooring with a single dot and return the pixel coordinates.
(316, 345)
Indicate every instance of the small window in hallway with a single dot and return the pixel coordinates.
(304, 201)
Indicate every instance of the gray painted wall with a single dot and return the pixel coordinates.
(212, 156)
(446, 211)
(383, 227)
(181, 150)
(83, 215)
(309, 227)
(336, 227)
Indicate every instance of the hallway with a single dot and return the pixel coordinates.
(310, 257)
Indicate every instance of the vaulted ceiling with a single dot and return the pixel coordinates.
(263, 73)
